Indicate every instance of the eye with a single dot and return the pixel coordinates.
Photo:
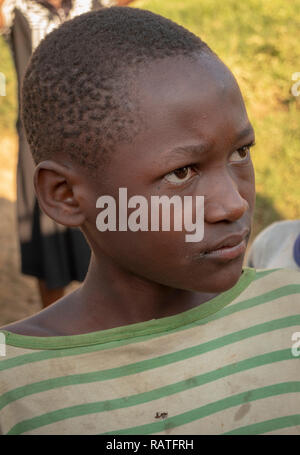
(242, 154)
(180, 175)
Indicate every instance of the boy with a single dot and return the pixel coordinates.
(165, 336)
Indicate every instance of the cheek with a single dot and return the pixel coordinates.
(248, 187)
(155, 248)
(162, 257)
(151, 254)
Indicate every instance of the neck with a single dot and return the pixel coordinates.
(125, 298)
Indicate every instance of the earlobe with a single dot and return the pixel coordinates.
(54, 185)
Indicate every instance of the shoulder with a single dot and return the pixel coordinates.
(276, 285)
(275, 278)
(270, 304)
(48, 322)
(30, 327)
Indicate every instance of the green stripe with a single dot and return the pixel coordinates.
(97, 376)
(243, 305)
(211, 408)
(162, 392)
(148, 364)
(133, 330)
(262, 273)
(268, 425)
(278, 293)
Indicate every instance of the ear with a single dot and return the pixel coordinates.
(58, 192)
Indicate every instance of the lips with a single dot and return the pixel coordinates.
(228, 242)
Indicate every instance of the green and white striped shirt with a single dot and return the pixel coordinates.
(229, 366)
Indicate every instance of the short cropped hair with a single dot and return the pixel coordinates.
(76, 96)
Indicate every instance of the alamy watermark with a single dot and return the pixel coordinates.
(2, 345)
(138, 220)
(296, 345)
(296, 86)
(2, 84)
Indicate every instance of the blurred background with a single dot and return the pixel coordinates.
(259, 42)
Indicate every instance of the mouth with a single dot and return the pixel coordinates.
(229, 248)
(228, 253)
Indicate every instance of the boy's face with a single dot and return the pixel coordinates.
(193, 141)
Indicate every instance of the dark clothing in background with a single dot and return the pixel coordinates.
(49, 251)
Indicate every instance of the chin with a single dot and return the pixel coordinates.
(223, 278)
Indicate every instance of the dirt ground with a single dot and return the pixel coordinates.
(18, 294)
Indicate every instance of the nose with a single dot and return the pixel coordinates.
(223, 201)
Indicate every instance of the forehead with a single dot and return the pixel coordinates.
(192, 93)
(185, 102)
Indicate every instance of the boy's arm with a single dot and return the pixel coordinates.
(124, 2)
(109, 3)
(1, 15)
(7, 8)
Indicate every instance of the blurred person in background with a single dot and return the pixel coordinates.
(55, 255)
(277, 246)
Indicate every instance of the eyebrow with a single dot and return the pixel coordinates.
(245, 133)
(194, 150)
